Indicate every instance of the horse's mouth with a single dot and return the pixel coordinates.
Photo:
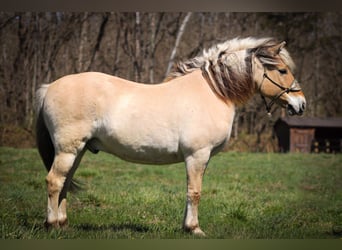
(292, 111)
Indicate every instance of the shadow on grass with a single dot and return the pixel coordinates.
(113, 227)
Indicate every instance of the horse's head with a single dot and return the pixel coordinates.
(272, 72)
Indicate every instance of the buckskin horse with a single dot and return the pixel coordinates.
(186, 118)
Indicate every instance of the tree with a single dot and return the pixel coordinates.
(41, 47)
(178, 39)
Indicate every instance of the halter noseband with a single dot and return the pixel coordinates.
(294, 87)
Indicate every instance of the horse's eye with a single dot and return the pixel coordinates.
(282, 71)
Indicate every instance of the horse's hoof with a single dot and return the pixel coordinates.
(64, 223)
(195, 231)
(198, 232)
(48, 226)
(56, 224)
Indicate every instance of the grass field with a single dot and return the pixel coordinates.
(245, 196)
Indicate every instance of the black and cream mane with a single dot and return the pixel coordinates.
(228, 73)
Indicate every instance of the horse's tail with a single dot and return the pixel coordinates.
(43, 139)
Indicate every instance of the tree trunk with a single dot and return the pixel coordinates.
(137, 61)
(152, 46)
(82, 43)
(179, 36)
(98, 40)
(116, 46)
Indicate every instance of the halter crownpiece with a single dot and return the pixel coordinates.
(294, 87)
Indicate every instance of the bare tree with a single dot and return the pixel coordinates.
(177, 42)
(99, 37)
(83, 34)
(152, 17)
(41, 47)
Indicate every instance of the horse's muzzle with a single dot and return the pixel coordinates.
(291, 110)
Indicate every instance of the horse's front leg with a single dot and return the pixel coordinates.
(195, 168)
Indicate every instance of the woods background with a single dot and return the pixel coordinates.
(38, 48)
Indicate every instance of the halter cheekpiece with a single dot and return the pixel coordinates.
(294, 87)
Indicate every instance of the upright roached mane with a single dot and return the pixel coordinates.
(230, 77)
(186, 119)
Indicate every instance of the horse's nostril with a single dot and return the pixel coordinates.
(303, 106)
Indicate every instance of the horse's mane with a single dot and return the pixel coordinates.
(230, 76)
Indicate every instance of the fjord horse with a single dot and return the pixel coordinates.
(187, 118)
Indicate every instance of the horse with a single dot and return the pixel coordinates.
(187, 118)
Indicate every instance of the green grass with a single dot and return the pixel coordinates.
(245, 196)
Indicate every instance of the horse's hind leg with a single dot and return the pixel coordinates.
(55, 181)
(62, 214)
(58, 181)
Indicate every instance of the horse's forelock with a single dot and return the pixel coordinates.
(267, 58)
(285, 56)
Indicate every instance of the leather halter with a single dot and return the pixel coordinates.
(294, 87)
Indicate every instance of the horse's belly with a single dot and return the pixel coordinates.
(138, 152)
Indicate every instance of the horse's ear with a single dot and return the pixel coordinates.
(277, 48)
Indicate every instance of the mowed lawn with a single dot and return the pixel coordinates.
(245, 196)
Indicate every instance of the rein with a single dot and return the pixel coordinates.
(294, 87)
